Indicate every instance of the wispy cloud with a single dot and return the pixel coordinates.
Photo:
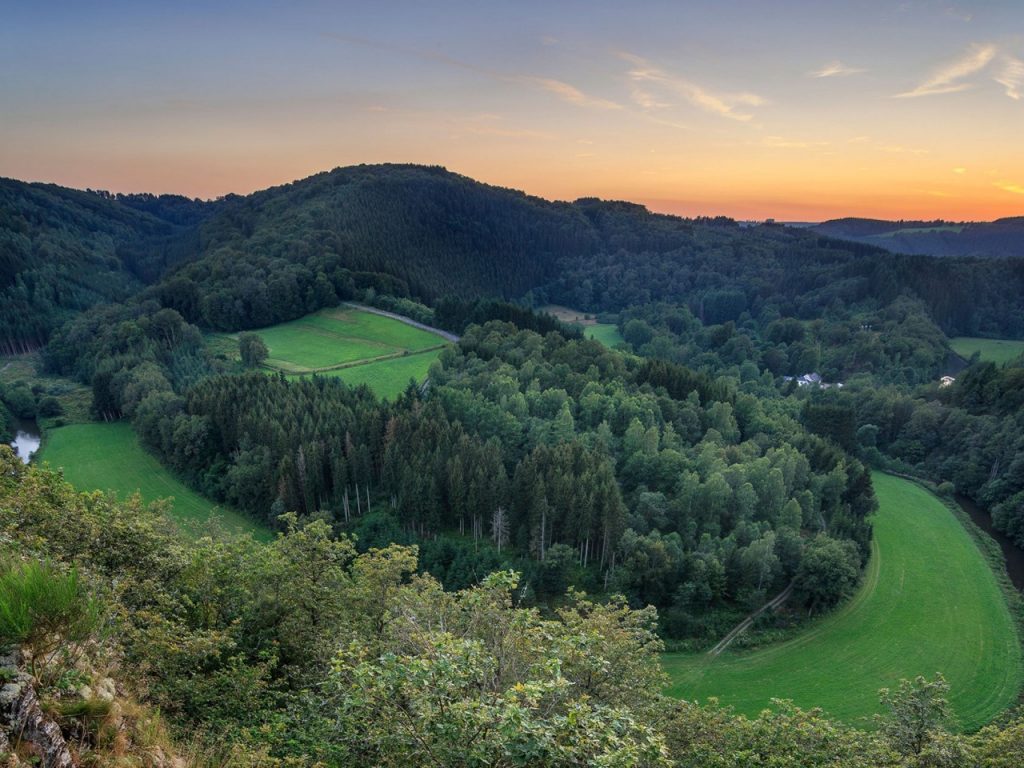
(647, 100)
(1007, 186)
(568, 93)
(727, 105)
(949, 79)
(1011, 77)
(836, 69)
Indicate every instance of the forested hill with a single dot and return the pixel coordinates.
(1003, 238)
(63, 250)
(425, 232)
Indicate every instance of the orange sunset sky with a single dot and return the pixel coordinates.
(793, 110)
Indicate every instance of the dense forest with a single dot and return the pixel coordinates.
(62, 250)
(410, 231)
(580, 461)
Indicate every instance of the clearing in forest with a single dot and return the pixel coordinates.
(108, 457)
(357, 346)
(929, 603)
(997, 351)
(606, 333)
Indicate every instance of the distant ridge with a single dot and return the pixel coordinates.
(1001, 239)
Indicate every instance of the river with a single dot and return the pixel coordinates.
(1014, 556)
(26, 438)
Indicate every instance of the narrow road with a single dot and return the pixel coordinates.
(742, 627)
(403, 319)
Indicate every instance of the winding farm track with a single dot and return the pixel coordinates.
(744, 625)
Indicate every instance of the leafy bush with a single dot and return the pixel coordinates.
(45, 610)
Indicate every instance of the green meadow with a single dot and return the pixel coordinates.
(350, 344)
(929, 603)
(991, 350)
(607, 333)
(108, 457)
(332, 338)
(388, 378)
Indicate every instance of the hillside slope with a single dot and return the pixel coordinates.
(425, 232)
(64, 250)
(1003, 238)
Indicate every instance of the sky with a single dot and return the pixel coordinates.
(799, 111)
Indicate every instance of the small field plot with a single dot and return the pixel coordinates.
(606, 333)
(388, 378)
(333, 338)
(929, 603)
(991, 350)
(108, 457)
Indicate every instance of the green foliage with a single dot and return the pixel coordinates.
(252, 350)
(828, 572)
(302, 651)
(65, 250)
(45, 610)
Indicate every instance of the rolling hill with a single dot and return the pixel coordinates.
(1003, 238)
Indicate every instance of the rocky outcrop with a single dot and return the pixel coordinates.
(23, 722)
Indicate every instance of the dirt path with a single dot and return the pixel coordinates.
(742, 627)
(403, 319)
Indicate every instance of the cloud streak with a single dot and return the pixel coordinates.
(836, 69)
(568, 93)
(728, 105)
(1012, 77)
(949, 79)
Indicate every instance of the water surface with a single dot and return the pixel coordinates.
(26, 439)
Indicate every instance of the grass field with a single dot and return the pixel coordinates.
(606, 333)
(332, 338)
(992, 350)
(109, 457)
(346, 343)
(929, 603)
(388, 378)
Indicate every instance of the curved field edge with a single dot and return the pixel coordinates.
(930, 602)
(997, 351)
(108, 457)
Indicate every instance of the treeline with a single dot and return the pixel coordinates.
(723, 273)
(456, 315)
(304, 651)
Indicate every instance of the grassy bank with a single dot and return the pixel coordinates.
(929, 603)
(108, 457)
